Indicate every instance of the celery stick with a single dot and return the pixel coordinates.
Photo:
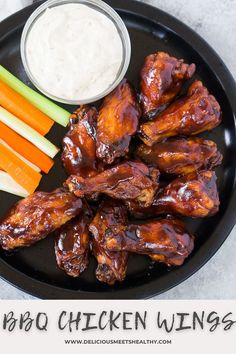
(9, 185)
(28, 133)
(55, 112)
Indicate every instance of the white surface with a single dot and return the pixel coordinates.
(215, 21)
(7, 7)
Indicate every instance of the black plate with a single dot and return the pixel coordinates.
(34, 270)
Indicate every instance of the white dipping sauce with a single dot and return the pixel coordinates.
(74, 52)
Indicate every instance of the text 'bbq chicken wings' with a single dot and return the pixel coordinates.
(180, 156)
(36, 216)
(72, 243)
(118, 120)
(79, 144)
(193, 195)
(161, 80)
(128, 180)
(165, 240)
(193, 114)
(111, 265)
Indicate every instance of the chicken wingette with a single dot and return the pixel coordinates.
(118, 121)
(197, 112)
(180, 156)
(162, 77)
(79, 144)
(111, 265)
(193, 195)
(72, 243)
(128, 180)
(36, 216)
(165, 240)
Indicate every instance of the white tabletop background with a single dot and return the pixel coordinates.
(215, 21)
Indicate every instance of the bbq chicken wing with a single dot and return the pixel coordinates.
(190, 115)
(193, 195)
(111, 265)
(161, 80)
(79, 144)
(165, 240)
(181, 156)
(129, 180)
(117, 121)
(72, 243)
(36, 216)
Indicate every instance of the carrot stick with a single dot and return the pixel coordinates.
(9, 185)
(23, 174)
(20, 157)
(21, 108)
(57, 113)
(28, 133)
(25, 148)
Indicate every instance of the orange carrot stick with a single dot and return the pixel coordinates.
(22, 173)
(21, 108)
(25, 148)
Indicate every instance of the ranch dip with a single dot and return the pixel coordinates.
(74, 52)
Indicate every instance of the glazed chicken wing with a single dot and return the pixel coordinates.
(165, 240)
(111, 265)
(117, 121)
(193, 195)
(181, 156)
(79, 144)
(161, 80)
(129, 180)
(190, 115)
(36, 216)
(72, 243)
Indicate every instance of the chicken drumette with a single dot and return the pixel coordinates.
(129, 180)
(117, 121)
(111, 265)
(165, 240)
(79, 144)
(190, 115)
(193, 195)
(181, 156)
(36, 216)
(161, 80)
(72, 243)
